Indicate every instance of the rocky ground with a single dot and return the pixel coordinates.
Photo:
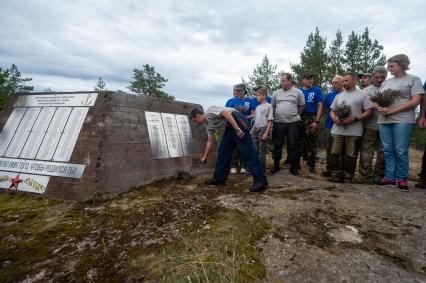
(300, 229)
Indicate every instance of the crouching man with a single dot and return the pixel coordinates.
(236, 135)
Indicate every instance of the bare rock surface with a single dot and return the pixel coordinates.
(327, 232)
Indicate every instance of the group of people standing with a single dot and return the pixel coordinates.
(354, 126)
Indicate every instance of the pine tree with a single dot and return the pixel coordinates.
(12, 83)
(100, 85)
(149, 82)
(353, 53)
(371, 53)
(335, 54)
(264, 74)
(313, 58)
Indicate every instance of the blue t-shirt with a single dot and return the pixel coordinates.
(328, 100)
(237, 102)
(312, 97)
(424, 86)
(257, 103)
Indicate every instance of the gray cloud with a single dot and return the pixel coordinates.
(202, 47)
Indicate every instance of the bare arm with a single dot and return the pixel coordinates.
(228, 116)
(365, 115)
(319, 113)
(301, 109)
(209, 145)
(415, 100)
(335, 119)
(268, 129)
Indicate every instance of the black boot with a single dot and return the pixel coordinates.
(259, 187)
(276, 167)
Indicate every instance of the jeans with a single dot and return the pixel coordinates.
(281, 133)
(396, 140)
(248, 154)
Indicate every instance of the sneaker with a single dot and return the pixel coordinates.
(275, 170)
(243, 171)
(385, 181)
(258, 187)
(213, 182)
(233, 170)
(421, 185)
(403, 185)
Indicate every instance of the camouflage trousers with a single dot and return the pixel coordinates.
(307, 140)
(371, 143)
(343, 157)
(260, 145)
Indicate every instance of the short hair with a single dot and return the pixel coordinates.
(288, 76)
(380, 69)
(400, 59)
(349, 74)
(194, 112)
(262, 90)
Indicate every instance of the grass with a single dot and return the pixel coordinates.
(159, 233)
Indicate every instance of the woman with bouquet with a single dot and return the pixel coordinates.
(396, 119)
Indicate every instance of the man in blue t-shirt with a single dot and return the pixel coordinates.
(337, 87)
(308, 133)
(244, 105)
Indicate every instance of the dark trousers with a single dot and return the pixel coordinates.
(328, 143)
(245, 146)
(285, 132)
(423, 172)
(308, 139)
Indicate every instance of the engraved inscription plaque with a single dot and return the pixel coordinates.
(54, 132)
(185, 134)
(157, 136)
(70, 136)
(9, 129)
(172, 135)
(37, 133)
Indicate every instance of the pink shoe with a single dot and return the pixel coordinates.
(385, 181)
(402, 185)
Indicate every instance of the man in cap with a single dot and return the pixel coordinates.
(311, 116)
(236, 135)
(371, 138)
(245, 106)
(364, 80)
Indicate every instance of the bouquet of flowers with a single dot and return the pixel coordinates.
(385, 98)
(343, 111)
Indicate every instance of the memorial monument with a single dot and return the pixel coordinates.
(82, 145)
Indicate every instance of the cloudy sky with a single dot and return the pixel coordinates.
(202, 47)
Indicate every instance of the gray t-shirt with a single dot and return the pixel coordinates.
(287, 104)
(371, 123)
(408, 86)
(359, 103)
(262, 115)
(213, 119)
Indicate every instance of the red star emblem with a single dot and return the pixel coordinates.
(15, 182)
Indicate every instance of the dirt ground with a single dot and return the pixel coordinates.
(178, 230)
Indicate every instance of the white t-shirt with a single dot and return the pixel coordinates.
(262, 115)
(408, 86)
(359, 103)
(371, 123)
(287, 104)
(213, 119)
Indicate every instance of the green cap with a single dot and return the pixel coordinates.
(240, 86)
